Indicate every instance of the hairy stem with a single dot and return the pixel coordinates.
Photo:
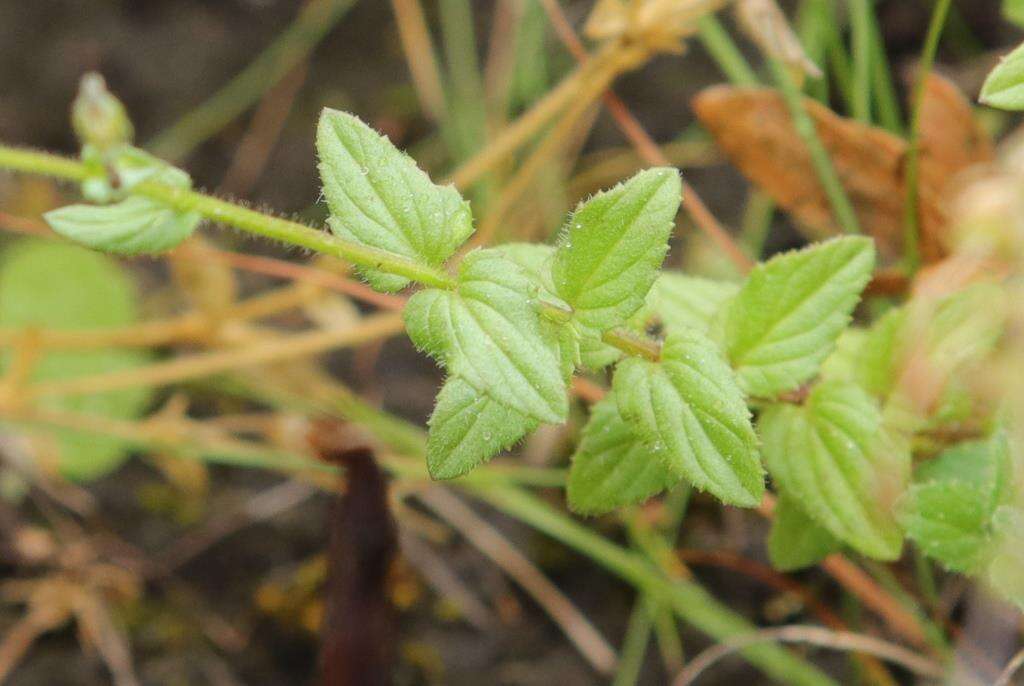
(224, 212)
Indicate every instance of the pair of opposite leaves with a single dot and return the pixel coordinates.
(754, 128)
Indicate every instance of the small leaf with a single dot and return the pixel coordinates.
(842, 364)
(834, 456)
(1013, 12)
(1006, 569)
(595, 354)
(681, 301)
(535, 260)
(881, 355)
(57, 285)
(133, 226)
(488, 333)
(378, 197)
(949, 521)
(797, 541)
(948, 511)
(786, 318)
(612, 467)
(1004, 86)
(468, 428)
(689, 410)
(613, 245)
(985, 465)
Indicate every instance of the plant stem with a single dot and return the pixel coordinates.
(634, 645)
(633, 344)
(688, 600)
(36, 162)
(273, 349)
(294, 44)
(467, 114)
(804, 126)
(860, 22)
(886, 101)
(723, 50)
(911, 218)
(225, 212)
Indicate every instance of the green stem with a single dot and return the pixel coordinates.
(688, 600)
(466, 106)
(36, 162)
(295, 44)
(225, 212)
(911, 239)
(838, 58)
(841, 207)
(723, 50)
(860, 21)
(633, 344)
(634, 644)
(757, 221)
(813, 30)
(886, 101)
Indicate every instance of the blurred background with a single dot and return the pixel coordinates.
(236, 594)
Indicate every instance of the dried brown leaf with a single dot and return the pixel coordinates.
(754, 128)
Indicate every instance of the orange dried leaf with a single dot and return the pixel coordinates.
(754, 128)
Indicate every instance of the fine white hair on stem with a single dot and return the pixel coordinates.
(1012, 666)
(813, 635)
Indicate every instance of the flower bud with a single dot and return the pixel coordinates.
(99, 118)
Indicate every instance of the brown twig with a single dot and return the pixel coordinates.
(264, 131)
(491, 543)
(420, 56)
(813, 635)
(860, 584)
(210, 363)
(1011, 668)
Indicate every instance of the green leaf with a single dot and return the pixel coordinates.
(1004, 86)
(612, 467)
(1013, 12)
(681, 301)
(378, 197)
(786, 318)
(595, 354)
(535, 260)
(797, 541)
(60, 286)
(835, 457)
(985, 465)
(1006, 569)
(468, 428)
(948, 511)
(949, 521)
(690, 411)
(843, 363)
(881, 355)
(488, 333)
(613, 245)
(130, 227)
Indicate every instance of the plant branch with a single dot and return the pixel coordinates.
(291, 47)
(911, 216)
(826, 171)
(200, 365)
(813, 635)
(224, 212)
